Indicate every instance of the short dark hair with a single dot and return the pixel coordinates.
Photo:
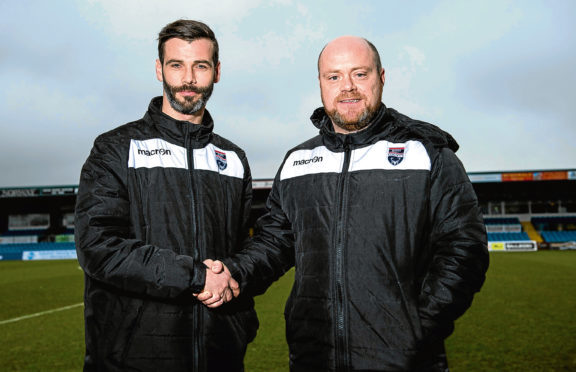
(377, 60)
(188, 30)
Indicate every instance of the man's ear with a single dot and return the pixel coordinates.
(217, 73)
(159, 70)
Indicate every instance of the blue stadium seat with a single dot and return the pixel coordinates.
(507, 236)
(558, 236)
(550, 223)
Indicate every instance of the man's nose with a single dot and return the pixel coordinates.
(347, 83)
(190, 76)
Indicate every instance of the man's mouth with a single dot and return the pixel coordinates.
(187, 93)
(350, 100)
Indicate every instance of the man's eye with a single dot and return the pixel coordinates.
(333, 78)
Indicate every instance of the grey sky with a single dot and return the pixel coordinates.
(498, 75)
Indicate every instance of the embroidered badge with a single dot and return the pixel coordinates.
(220, 159)
(395, 155)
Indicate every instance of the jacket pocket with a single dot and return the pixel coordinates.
(120, 322)
(132, 330)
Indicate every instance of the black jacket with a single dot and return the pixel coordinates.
(158, 196)
(387, 241)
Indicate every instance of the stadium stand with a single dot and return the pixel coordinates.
(521, 209)
(556, 229)
(23, 232)
(501, 221)
(507, 236)
(559, 236)
(534, 234)
(554, 222)
(503, 228)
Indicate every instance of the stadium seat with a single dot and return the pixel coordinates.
(507, 236)
(559, 236)
(551, 223)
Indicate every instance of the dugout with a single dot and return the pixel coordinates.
(518, 207)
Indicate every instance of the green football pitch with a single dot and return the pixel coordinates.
(524, 319)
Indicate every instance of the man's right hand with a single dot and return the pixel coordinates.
(219, 287)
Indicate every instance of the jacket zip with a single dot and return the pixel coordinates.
(342, 358)
(197, 362)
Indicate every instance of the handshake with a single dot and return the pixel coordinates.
(219, 287)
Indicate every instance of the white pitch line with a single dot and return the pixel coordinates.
(40, 313)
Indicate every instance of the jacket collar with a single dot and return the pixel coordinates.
(388, 124)
(179, 129)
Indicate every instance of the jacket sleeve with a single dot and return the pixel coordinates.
(244, 215)
(459, 248)
(271, 252)
(107, 249)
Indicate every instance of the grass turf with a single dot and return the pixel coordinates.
(522, 320)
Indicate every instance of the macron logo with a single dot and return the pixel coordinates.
(316, 159)
(311, 161)
(154, 152)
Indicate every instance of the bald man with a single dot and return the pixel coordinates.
(381, 222)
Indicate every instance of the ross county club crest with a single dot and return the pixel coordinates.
(395, 155)
(220, 159)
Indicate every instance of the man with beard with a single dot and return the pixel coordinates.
(158, 196)
(379, 218)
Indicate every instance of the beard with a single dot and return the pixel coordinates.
(355, 123)
(188, 106)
